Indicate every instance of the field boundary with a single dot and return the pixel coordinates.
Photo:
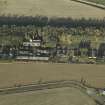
(91, 4)
(50, 85)
(19, 88)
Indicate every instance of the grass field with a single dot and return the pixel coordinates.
(50, 8)
(60, 96)
(11, 74)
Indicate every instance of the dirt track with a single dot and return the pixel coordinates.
(11, 74)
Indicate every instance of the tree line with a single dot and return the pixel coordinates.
(54, 21)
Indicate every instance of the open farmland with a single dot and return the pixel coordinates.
(11, 74)
(50, 8)
(60, 96)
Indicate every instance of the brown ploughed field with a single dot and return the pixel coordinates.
(14, 73)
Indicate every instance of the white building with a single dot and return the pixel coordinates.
(34, 58)
(35, 43)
